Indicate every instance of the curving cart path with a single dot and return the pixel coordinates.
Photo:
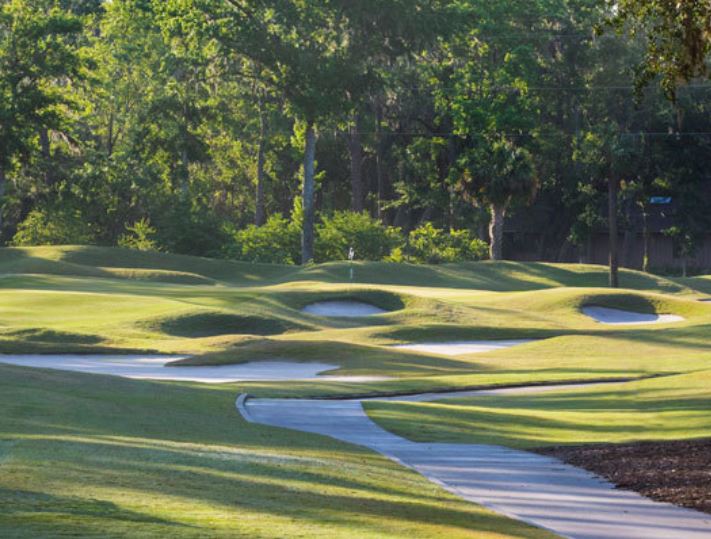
(535, 489)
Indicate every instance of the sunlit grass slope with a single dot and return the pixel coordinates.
(667, 408)
(101, 456)
(497, 276)
(95, 456)
(91, 299)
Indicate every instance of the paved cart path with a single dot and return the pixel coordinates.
(532, 488)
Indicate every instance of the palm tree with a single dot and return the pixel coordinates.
(498, 174)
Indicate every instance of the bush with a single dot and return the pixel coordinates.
(54, 226)
(190, 228)
(278, 241)
(139, 236)
(430, 245)
(370, 239)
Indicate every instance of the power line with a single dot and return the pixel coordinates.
(558, 88)
(528, 134)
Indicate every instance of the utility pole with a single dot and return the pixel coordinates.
(613, 188)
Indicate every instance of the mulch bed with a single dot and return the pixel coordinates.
(677, 472)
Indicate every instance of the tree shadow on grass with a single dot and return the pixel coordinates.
(23, 501)
(315, 493)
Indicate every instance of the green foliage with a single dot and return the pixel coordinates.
(278, 241)
(498, 172)
(678, 37)
(190, 228)
(36, 50)
(430, 245)
(176, 109)
(54, 226)
(369, 238)
(140, 236)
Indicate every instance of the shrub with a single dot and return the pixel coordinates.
(140, 236)
(278, 241)
(54, 226)
(190, 228)
(370, 239)
(430, 245)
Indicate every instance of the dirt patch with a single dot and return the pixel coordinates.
(677, 472)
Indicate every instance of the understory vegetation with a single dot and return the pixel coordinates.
(168, 125)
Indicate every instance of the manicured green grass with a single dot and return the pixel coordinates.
(90, 299)
(95, 456)
(667, 408)
(101, 456)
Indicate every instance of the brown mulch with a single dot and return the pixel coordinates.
(677, 472)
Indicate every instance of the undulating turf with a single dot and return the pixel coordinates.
(75, 299)
(93, 456)
(667, 408)
(89, 455)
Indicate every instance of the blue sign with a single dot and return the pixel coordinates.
(660, 200)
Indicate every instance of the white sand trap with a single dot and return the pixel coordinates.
(459, 348)
(153, 368)
(343, 309)
(605, 315)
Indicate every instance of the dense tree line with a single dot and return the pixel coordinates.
(244, 128)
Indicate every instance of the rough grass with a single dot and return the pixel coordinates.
(95, 456)
(667, 408)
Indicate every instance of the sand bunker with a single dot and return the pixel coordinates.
(605, 315)
(343, 309)
(458, 348)
(153, 368)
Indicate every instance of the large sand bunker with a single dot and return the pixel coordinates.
(605, 315)
(458, 348)
(343, 309)
(154, 368)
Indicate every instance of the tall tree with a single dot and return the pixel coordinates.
(678, 36)
(498, 174)
(36, 50)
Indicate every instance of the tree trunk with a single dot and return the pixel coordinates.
(260, 215)
(110, 136)
(355, 148)
(307, 235)
(184, 172)
(46, 149)
(612, 218)
(647, 240)
(379, 172)
(2, 195)
(630, 238)
(589, 250)
(496, 231)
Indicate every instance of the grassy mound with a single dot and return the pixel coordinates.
(211, 324)
(111, 262)
(387, 301)
(494, 276)
(51, 336)
(160, 276)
